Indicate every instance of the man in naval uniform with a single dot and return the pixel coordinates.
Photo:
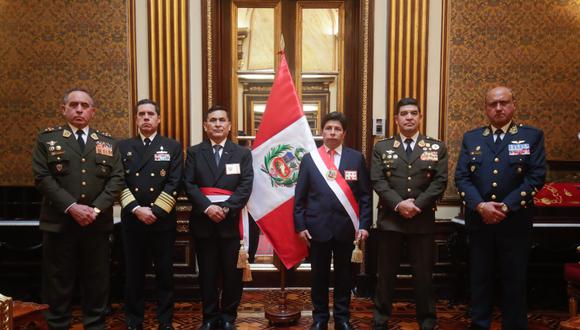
(153, 167)
(79, 173)
(500, 168)
(409, 174)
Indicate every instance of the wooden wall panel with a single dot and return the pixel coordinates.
(169, 65)
(407, 52)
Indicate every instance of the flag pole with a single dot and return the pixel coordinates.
(282, 313)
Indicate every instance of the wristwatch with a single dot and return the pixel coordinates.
(504, 208)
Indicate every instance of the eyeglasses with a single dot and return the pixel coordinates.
(74, 105)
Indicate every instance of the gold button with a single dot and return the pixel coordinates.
(151, 189)
(83, 195)
(409, 178)
(84, 183)
(409, 189)
(495, 171)
(464, 203)
(429, 166)
(462, 194)
(137, 174)
(152, 174)
(523, 203)
(473, 158)
(152, 204)
(104, 161)
(57, 158)
(410, 166)
(496, 160)
(519, 170)
(83, 160)
(523, 194)
(533, 193)
(493, 197)
(83, 171)
(175, 193)
(136, 189)
(494, 184)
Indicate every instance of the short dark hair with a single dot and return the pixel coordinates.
(335, 115)
(147, 101)
(76, 89)
(216, 108)
(406, 101)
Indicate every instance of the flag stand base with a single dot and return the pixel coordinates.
(281, 313)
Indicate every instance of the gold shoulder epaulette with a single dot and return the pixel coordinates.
(52, 129)
(103, 133)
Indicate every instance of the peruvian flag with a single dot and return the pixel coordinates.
(282, 140)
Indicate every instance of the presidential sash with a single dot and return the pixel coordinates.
(337, 184)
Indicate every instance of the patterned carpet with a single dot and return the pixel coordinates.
(251, 314)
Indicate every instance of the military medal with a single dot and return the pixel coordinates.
(129, 154)
(421, 143)
(59, 167)
(435, 147)
(331, 174)
(162, 172)
(58, 147)
(395, 156)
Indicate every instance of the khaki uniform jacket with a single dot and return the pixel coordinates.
(65, 175)
(395, 178)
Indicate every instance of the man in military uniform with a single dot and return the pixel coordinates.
(153, 166)
(409, 173)
(500, 168)
(79, 173)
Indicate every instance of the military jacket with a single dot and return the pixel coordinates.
(422, 176)
(152, 178)
(510, 172)
(65, 175)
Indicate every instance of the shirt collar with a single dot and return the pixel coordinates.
(223, 143)
(414, 137)
(74, 129)
(337, 150)
(504, 129)
(151, 137)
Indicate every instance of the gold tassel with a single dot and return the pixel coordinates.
(242, 256)
(357, 253)
(247, 274)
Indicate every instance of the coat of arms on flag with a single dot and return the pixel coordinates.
(282, 163)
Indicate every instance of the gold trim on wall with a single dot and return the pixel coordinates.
(365, 75)
(444, 76)
(407, 50)
(169, 65)
(132, 41)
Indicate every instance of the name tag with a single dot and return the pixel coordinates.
(519, 149)
(430, 156)
(350, 175)
(232, 169)
(162, 156)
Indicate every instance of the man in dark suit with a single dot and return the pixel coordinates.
(409, 174)
(79, 173)
(153, 166)
(218, 181)
(332, 207)
(500, 168)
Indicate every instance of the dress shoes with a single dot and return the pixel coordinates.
(208, 325)
(134, 327)
(228, 325)
(319, 326)
(165, 326)
(343, 326)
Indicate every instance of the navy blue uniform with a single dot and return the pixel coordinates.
(152, 178)
(510, 172)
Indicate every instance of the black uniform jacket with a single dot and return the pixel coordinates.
(152, 178)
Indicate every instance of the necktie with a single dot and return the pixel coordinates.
(331, 153)
(498, 134)
(408, 149)
(80, 139)
(147, 142)
(216, 153)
